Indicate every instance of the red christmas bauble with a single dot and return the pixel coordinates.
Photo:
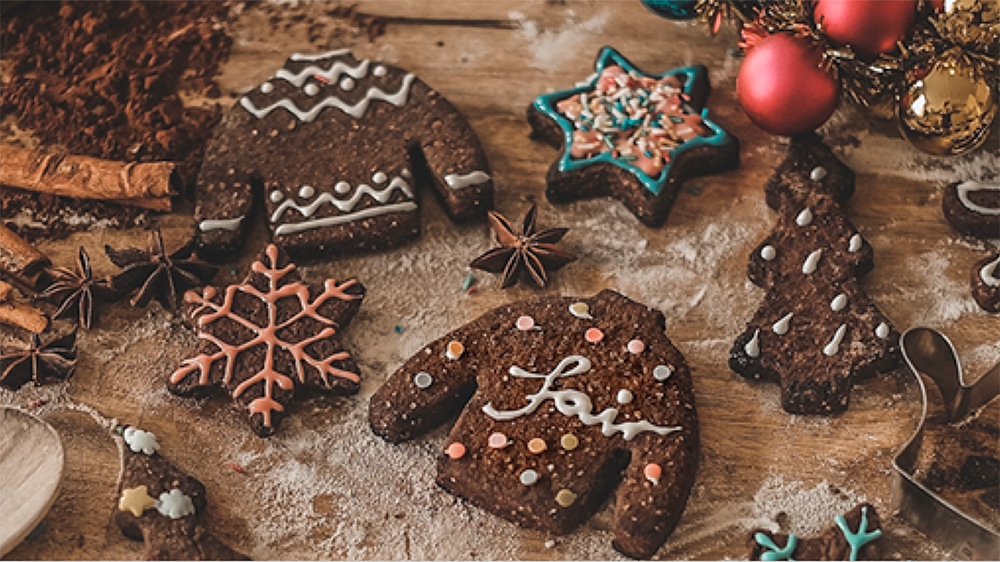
(870, 27)
(783, 88)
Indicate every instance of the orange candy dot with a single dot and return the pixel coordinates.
(653, 472)
(593, 335)
(455, 451)
(537, 445)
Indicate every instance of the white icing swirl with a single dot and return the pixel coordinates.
(574, 403)
(833, 347)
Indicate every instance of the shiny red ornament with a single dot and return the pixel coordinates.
(869, 27)
(783, 87)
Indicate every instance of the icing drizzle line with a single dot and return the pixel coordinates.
(266, 335)
(332, 73)
(991, 279)
(963, 190)
(356, 111)
(459, 181)
(209, 225)
(572, 402)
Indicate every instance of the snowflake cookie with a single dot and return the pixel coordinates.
(853, 536)
(264, 338)
(564, 399)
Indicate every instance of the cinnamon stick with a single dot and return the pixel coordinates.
(20, 315)
(143, 184)
(19, 259)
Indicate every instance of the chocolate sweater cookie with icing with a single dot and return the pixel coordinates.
(337, 145)
(631, 135)
(564, 400)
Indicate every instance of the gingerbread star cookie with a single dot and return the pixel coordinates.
(268, 339)
(564, 400)
(338, 146)
(631, 135)
(162, 506)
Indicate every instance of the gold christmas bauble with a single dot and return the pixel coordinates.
(948, 105)
(971, 23)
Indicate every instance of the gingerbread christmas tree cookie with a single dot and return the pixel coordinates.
(816, 331)
(564, 400)
(269, 338)
(162, 506)
(632, 135)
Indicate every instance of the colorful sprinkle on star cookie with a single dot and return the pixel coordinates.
(631, 134)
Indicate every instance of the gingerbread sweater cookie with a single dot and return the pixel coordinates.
(632, 135)
(335, 144)
(267, 340)
(564, 399)
(162, 506)
(816, 331)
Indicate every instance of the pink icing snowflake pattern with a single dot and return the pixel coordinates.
(267, 336)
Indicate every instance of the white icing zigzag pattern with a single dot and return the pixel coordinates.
(345, 206)
(356, 111)
(332, 74)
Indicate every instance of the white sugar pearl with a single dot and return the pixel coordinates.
(311, 89)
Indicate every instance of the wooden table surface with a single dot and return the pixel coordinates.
(326, 487)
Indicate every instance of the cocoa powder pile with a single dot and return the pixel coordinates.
(103, 79)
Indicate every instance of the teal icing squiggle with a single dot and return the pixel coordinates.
(608, 56)
(773, 552)
(862, 537)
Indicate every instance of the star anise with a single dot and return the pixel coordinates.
(158, 275)
(75, 291)
(49, 362)
(534, 252)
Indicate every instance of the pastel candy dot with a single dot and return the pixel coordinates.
(497, 440)
(565, 498)
(537, 445)
(525, 323)
(580, 310)
(529, 477)
(624, 396)
(423, 379)
(455, 451)
(653, 472)
(662, 372)
(569, 442)
(454, 350)
(311, 89)
(636, 347)
(594, 335)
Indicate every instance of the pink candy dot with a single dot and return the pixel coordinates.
(497, 440)
(593, 335)
(455, 451)
(636, 347)
(525, 323)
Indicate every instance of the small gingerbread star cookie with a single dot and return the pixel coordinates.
(630, 134)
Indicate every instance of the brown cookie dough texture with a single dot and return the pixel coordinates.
(816, 331)
(853, 536)
(986, 282)
(564, 400)
(973, 207)
(162, 506)
(337, 146)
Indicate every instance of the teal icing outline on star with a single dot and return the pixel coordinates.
(546, 104)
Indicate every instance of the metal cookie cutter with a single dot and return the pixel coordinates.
(929, 352)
